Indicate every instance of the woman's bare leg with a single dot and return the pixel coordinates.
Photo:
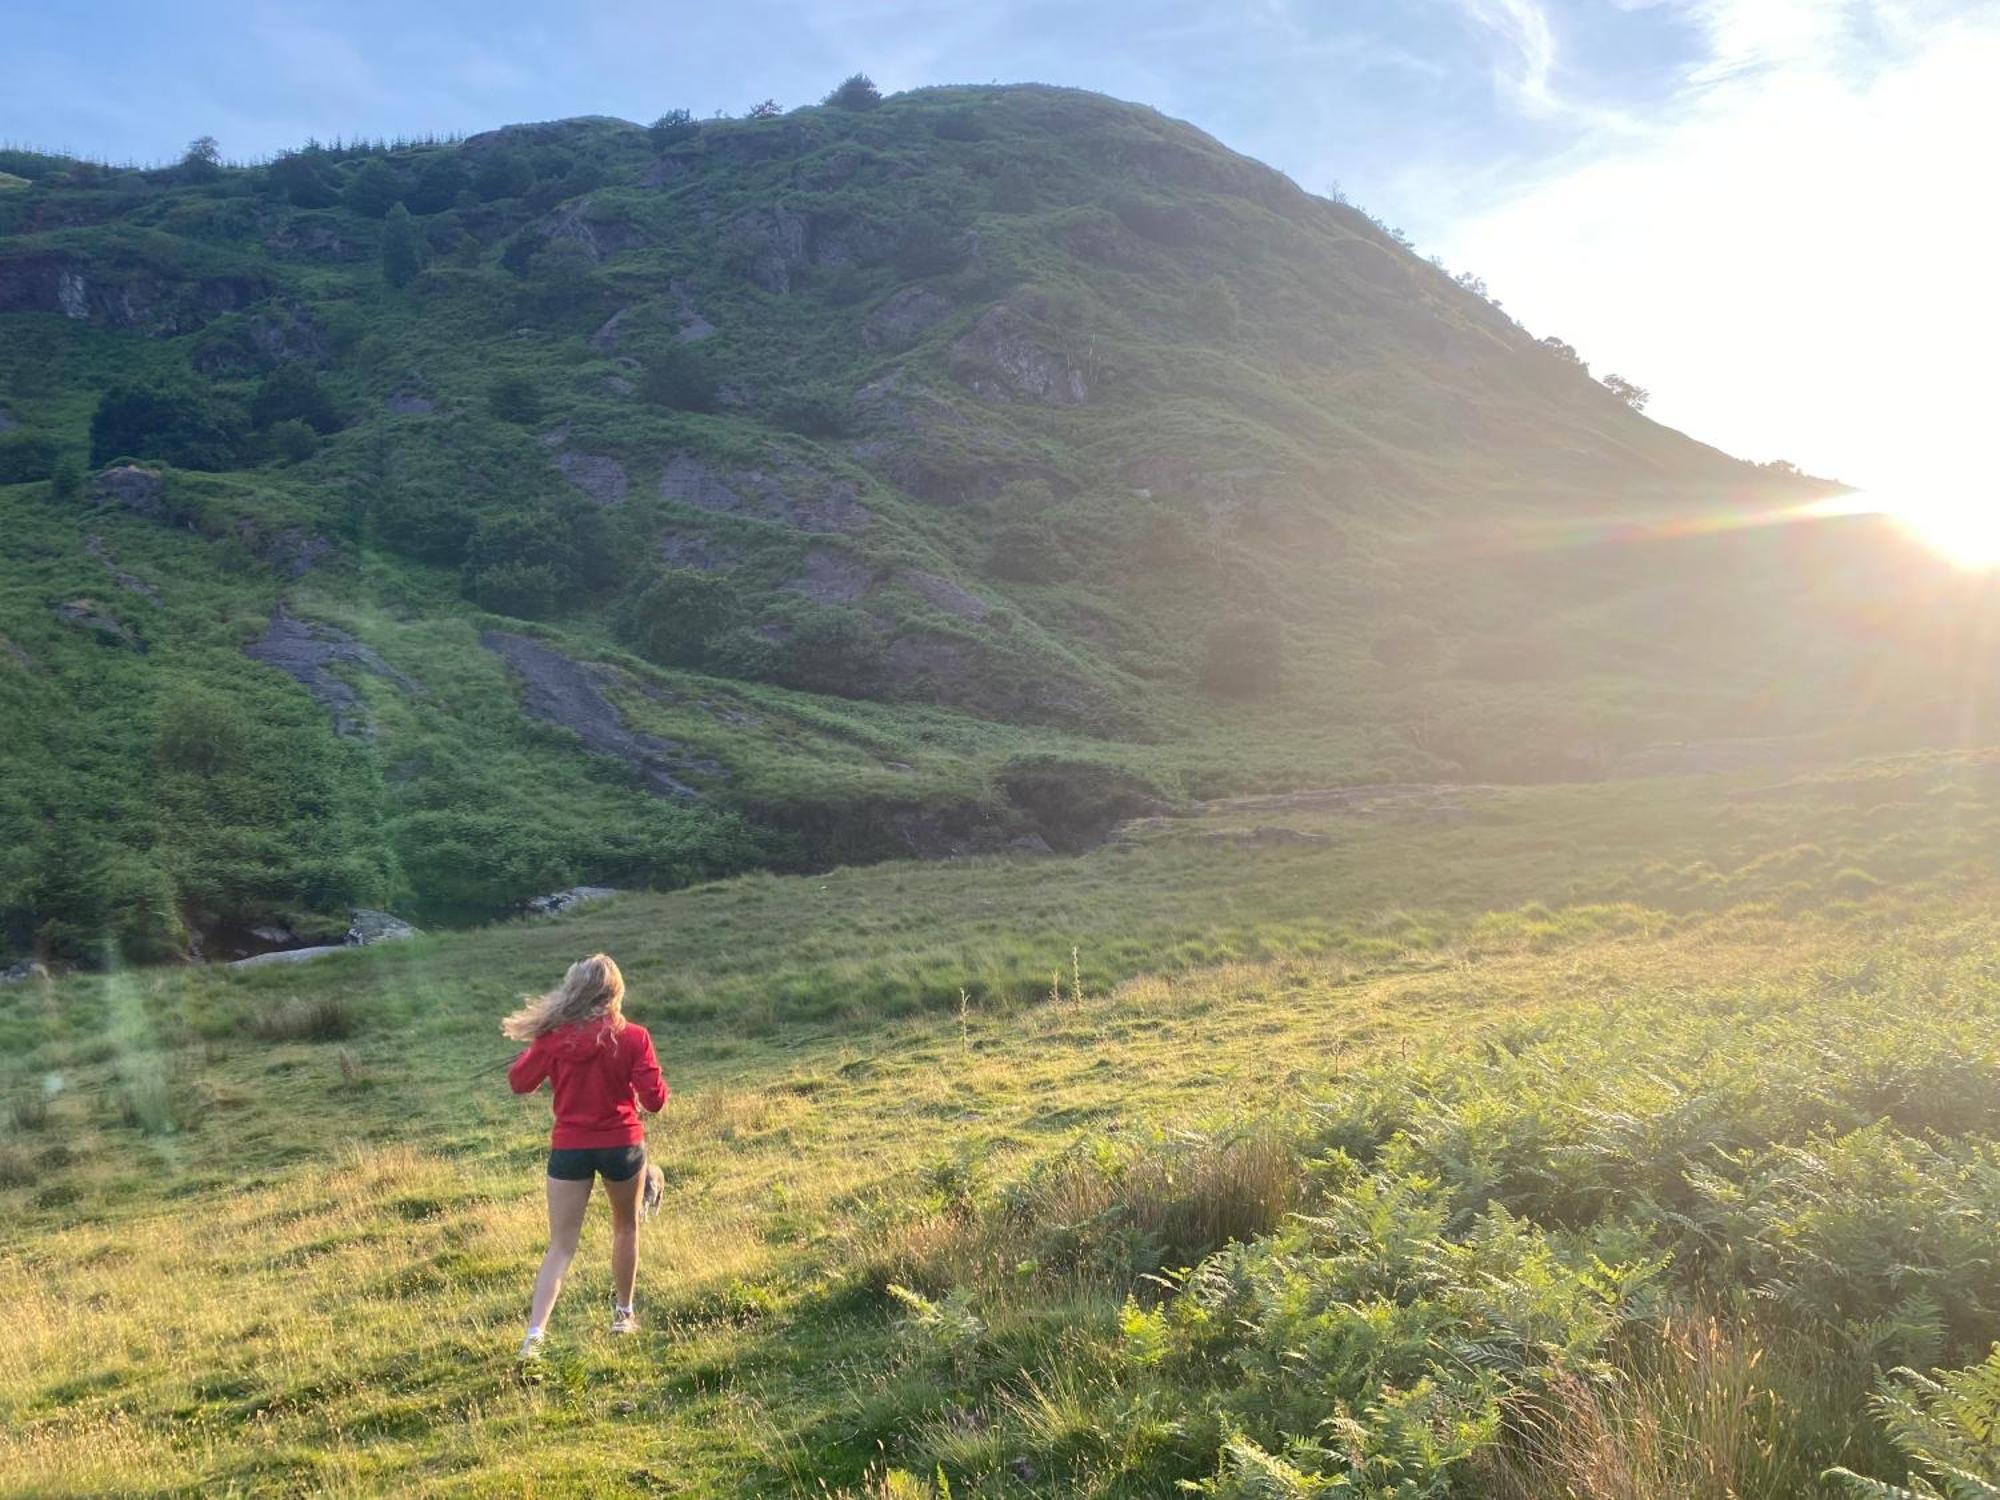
(624, 1198)
(567, 1202)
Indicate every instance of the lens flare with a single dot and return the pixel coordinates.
(1959, 527)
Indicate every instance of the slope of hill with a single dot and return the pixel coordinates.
(427, 526)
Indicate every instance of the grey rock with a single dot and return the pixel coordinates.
(371, 927)
(589, 222)
(600, 477)
(285, 956)
(690, 549)
(23, 972)
(131, 583)
(570, 693)
(88, 614)
(774, 242)
(904, 318)
(943, 594)
(1002, 358)
(308, 652)
(788, 492)
(830, 578)
(132, 487)
(1030, 843)
(561, 901)
(272, 936)
(293, 551)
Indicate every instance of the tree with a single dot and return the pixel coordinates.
(856, 92)
(1634, 396)
(202, 161)
(504, 174)
(292, 440)
(768, 110)
(303, 179)
(373, 190)
(673, 127)
(673, 620)
(184, 427)
(292, 392)
(439, 183)
(514, 398)
(1245, 659)
(679, 377)
(401, 259)
(1564, 350)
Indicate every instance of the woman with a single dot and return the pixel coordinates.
(600, 1066)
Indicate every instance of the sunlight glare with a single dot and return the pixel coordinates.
(1963, 529)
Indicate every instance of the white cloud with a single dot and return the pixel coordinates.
(1798, 259)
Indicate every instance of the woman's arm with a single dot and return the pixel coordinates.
(648, 1083)
(530, 1068)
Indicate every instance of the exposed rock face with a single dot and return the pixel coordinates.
(571, 694)
(690, 549)
(308, 652)
(129, 582)
(600, 477)
(88, 614)
(556, 904)
(602, 232)
(137, 298)
(313, 238)
(905, 318)
(830, 578)
(930, 449)
(772, 243)
(292, 550)
(943, 594)
(378, 927)
(788, 492)
(140, 490)
(1001, 358)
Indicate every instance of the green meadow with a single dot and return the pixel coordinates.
(1610, 1140)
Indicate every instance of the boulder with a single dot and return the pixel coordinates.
(561, 901)
(1002, 358)
(284, 956)
(371, 927)
(23, 972)
(600, 477)
(132, 487)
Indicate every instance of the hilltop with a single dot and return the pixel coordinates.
(426, 526)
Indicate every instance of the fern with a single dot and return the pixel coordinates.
(1948, 1427)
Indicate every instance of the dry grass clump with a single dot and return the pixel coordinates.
(323, 1018)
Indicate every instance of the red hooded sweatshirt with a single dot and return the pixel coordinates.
(600, 1077)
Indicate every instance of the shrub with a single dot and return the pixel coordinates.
(26, 457)
(857, 92)
(439, 182)
(183, 426)
(327, 1018)
(402, 256)
(766, 109)
(202, 161)
(675, 618)
(559, 279)
(373, 190)
(679, 378)
(66, 478)
(818, 410)
(1028, 552)
(293, 441)
(1245, 659)
(673, 127)
(514, 398)
(504, 174)
(292, 392)
(303, 179)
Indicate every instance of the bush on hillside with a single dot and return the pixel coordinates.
(303, 179)
(373, 190)
(189, 428)
(439, 182)
(857, 92)
(559, 279)
(504, 174)
(539, 563)
(1245, 659)
(928, 245)
(202, 161)
(673, 127)
(66, 478)
(402, 253)
(817, 409)
(674, 619)
(679, 378)
(292, 392)
(26, 457)
(291, 440)
(514, 397)
(1028, 552)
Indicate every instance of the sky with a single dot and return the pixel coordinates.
(1779, 216)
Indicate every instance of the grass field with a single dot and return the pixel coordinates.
(1598, 1141)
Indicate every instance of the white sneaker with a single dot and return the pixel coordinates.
(624, 1320)
(531, 1349)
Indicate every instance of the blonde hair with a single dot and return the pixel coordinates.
(593, 987)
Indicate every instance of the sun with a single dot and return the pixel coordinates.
(1961, 528)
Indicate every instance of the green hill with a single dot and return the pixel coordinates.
(430, 525)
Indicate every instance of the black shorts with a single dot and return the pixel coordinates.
(613, 1163)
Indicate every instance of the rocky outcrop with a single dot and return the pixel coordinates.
(316, 237)
(1002, 357)
(830, 578)
(600, 229)
(770, 244)
(155, 300)
(942, 593)
(88, 614)
(787, 492)
(370, 927)
(308, 653)
(366, 929)
(131, 583)
(555, 904)
(691, 549)
(133, 488)
(571, 694)
(905, 318)
(292, 550)
(602, 478)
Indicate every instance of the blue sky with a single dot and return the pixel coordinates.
(1757, 208)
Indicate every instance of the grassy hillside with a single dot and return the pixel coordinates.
(429, 525)
(1582, 1141)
